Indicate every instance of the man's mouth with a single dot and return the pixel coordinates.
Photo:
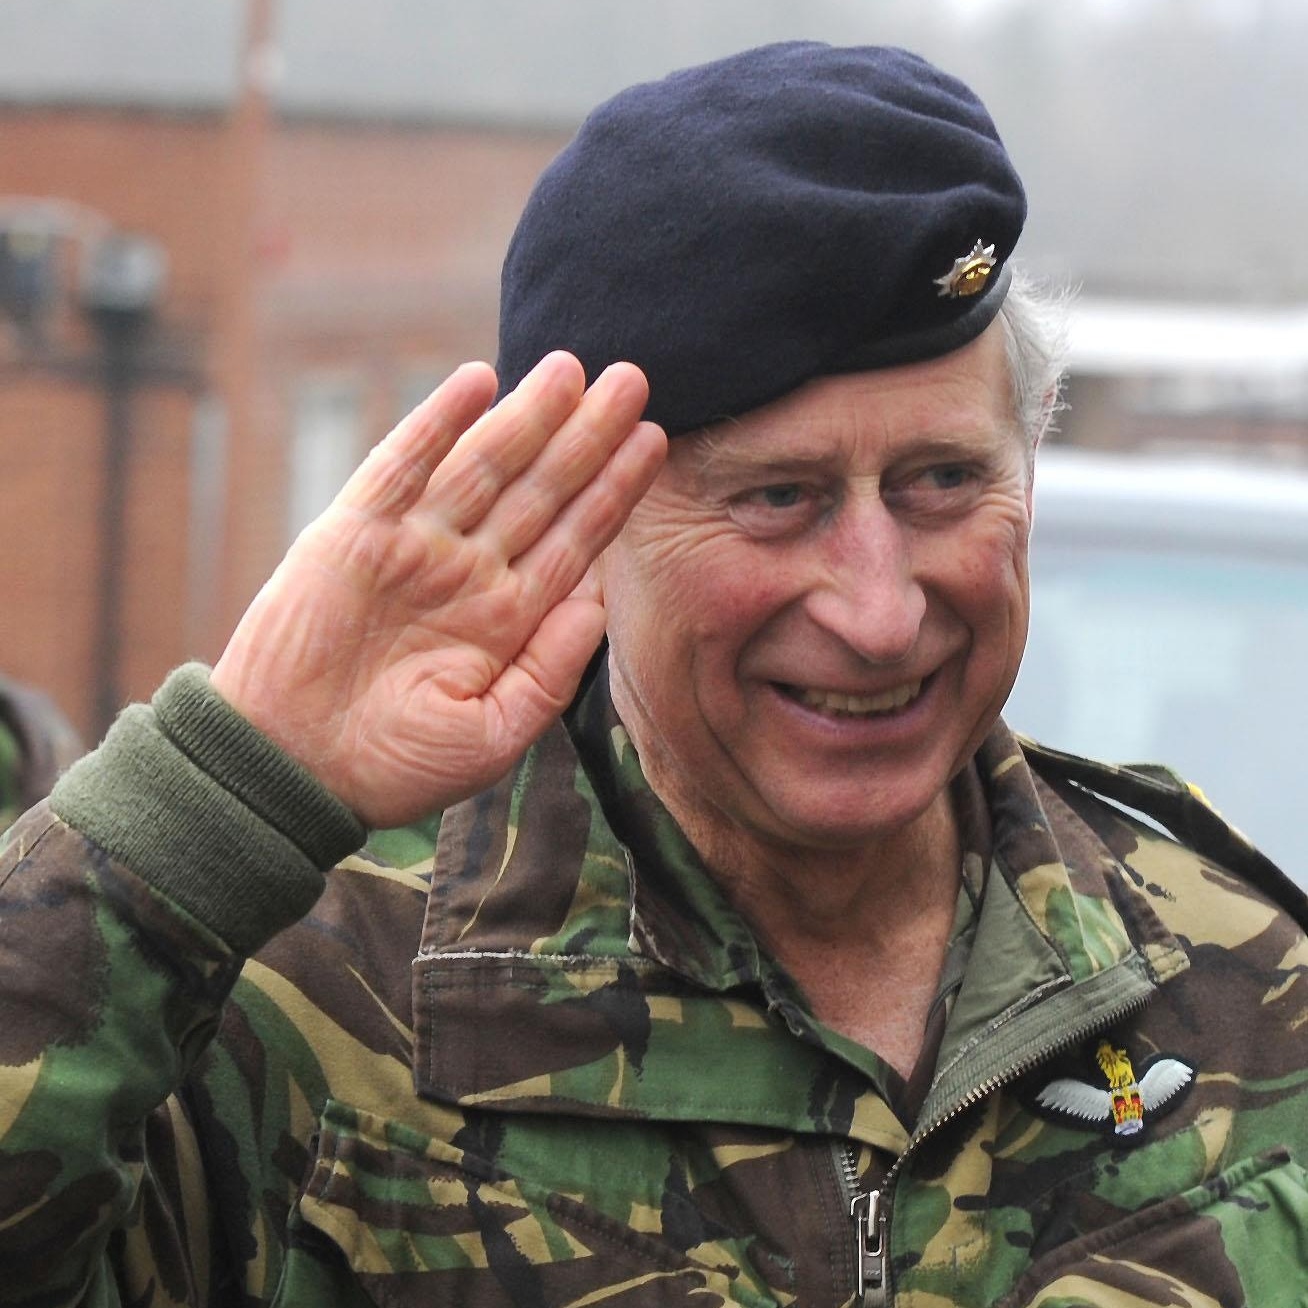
(841, 705)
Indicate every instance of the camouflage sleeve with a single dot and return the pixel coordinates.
(36, 744)
(126, 905)
(11, 764)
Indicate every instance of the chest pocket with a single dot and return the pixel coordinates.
(1239, 1238)
(411, 1219)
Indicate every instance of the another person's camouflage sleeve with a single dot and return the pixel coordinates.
(11, 764)
(122, 929)
(36, 744)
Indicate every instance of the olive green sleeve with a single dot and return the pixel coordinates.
(203, 806)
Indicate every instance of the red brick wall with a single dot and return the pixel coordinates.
(147, 174)
(377, 250)
(48, 497)
(292, 247)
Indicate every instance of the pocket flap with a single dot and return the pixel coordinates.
(421, 1220)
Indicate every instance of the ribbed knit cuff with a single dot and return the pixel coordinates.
(202, 805)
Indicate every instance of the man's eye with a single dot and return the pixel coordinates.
(949, 476)
(784, 496)
(777, 510)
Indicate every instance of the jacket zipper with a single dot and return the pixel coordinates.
(869, 1218)
(869, 1210)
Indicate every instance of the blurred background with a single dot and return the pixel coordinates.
(240, 238)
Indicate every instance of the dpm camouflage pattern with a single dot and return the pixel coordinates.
(36, 743)
(11, 776)
(555, 1074)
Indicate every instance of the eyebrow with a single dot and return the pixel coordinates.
(740, 458)
(755, 461)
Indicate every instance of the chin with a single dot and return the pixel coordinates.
(874, 821)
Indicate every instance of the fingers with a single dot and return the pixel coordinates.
(505, 472)
(567, 463)
(396, 473)
(551, 432)
(538, 685)
(556, 562)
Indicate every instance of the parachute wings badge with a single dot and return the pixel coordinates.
(1126, 1100)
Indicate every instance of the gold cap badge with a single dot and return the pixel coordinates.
(969, 274)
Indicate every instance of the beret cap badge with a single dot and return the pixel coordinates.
(969, 274)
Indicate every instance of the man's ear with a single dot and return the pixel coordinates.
(1031, 454)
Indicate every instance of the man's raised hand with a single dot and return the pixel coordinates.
(436, 618)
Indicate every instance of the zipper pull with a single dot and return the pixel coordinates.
(869, 1219)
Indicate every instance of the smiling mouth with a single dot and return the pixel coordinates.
(836, 704)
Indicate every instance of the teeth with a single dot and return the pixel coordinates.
(830, 701)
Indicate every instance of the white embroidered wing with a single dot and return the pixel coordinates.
(1163, 1080)
(1077, 1099)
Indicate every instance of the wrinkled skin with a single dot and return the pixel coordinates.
(819, 609)
(429, 625)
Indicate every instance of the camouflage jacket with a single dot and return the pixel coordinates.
(36, 743)
(561, 1071)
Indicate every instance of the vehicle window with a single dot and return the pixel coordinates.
(1189, 660)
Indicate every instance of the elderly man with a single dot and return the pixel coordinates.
(757, 962)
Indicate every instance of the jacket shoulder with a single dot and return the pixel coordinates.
(1179, 808)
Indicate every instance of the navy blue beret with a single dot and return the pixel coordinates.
(740, 227)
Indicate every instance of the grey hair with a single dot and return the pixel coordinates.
(1036, 319)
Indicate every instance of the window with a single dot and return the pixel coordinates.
(327, 444)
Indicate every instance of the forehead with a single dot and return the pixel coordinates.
(954, 402)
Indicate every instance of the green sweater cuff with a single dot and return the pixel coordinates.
(202, 805)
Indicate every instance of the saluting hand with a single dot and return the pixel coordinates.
(437, 617)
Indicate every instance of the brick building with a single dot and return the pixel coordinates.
(320, 274)
(320, 192)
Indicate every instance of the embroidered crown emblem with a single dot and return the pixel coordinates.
(1126, 1100)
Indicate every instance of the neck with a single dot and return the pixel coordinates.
(864, 935)
(862, 931)
(823, 896)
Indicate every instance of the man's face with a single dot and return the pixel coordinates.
(818, 610)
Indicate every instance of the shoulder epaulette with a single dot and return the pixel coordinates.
(1177, 806)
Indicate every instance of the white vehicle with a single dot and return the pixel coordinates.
(1169, 625)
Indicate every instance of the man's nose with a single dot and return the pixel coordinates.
(866, 591)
